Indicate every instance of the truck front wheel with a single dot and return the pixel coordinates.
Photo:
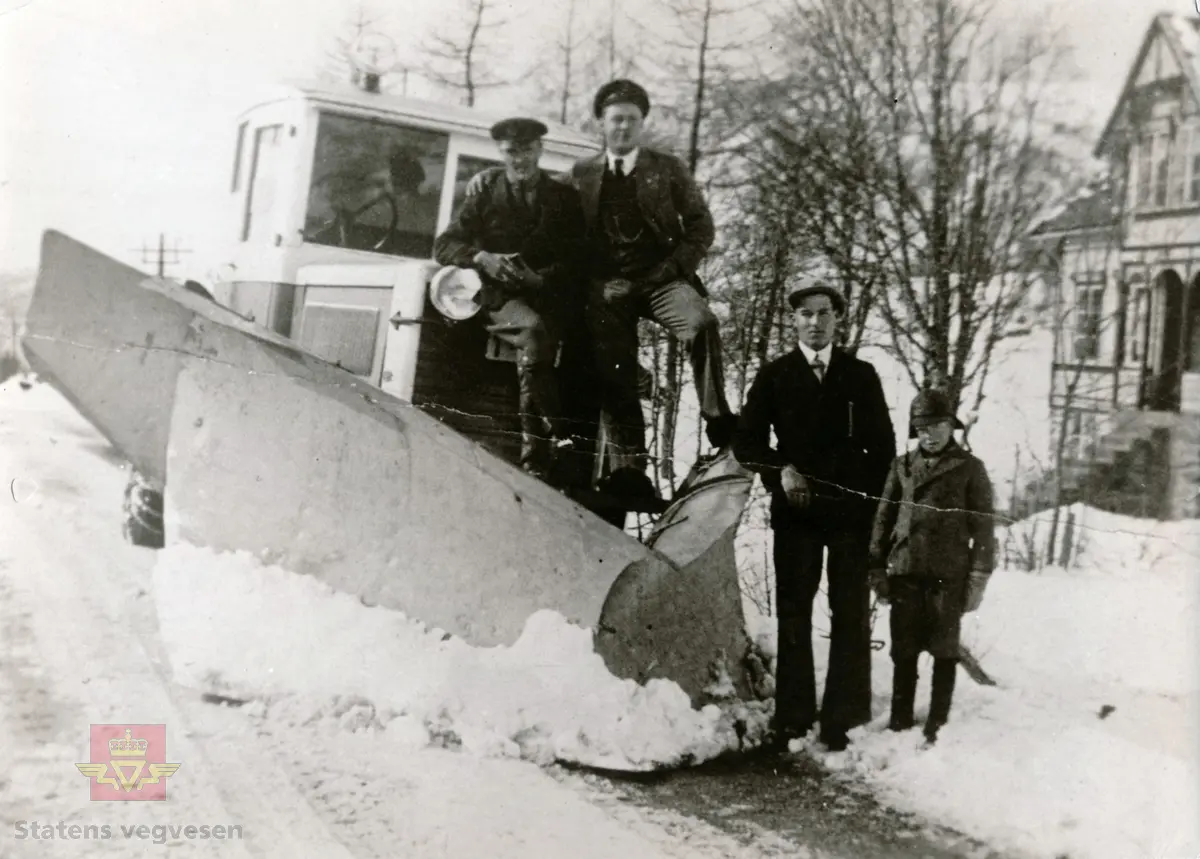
(143, 513)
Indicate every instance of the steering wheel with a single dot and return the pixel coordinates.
(344, 219)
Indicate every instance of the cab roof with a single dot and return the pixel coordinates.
(448, 117)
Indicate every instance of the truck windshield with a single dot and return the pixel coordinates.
(376, 186)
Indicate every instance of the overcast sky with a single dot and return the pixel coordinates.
(119, 115)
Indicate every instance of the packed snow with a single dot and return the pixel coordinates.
(1089, 743)
(331, 777)
(547, 697)
(1086, 747)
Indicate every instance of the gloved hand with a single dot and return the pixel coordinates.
(976, 585)
(879, 584)
(617, 289)
(795, 487)
(490, 264)
(475, 185)
(515, 270)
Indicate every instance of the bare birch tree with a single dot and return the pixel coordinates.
(700, 45)
(924, 138)
(462, 54)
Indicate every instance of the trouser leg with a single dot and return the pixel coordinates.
(679, 308)
(798, 557)
(519, 325)
(847, 699)
(613, 328)
(904, 692)
(945, 672)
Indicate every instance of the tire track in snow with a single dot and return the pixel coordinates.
(91, 654)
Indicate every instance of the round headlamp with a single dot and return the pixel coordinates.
(453, 291)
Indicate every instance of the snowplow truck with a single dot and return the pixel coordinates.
(330, 406)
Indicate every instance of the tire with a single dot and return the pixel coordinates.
(143, 513)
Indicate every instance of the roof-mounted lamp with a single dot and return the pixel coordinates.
(371, 56)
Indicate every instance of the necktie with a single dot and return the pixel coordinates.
(619, 167)
(818, 367)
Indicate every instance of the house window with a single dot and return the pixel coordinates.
(1144, 168)
(1074, 434)
(1193, 156)
(1137, 312)
(1162, 163)
(1089, 309)
(1179, 157)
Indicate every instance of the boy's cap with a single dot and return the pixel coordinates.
(929, 407)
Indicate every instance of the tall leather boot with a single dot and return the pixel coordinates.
(537, 402)
(945, 671)
(904, 693)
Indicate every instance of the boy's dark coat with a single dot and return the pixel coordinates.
(935, 519)
(933, 527)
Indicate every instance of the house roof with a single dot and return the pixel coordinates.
(1093, 208)
(1182, 36)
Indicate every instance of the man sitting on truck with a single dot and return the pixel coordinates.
(648, 229)
(521, 231)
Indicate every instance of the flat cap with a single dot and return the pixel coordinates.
(812, 286)
(620, 91)
(519, 129)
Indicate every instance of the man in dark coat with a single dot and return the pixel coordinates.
(835, 444)
(648, 229)
(522, 231)
(932, 553)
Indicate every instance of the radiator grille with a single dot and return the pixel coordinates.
(342, 334)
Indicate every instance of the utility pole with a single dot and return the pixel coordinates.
(159, 255)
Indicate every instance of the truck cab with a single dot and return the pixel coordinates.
(336, 195)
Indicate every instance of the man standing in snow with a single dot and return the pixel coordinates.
(521, 231)
(648, 229)
(932, 553)
(835, 444)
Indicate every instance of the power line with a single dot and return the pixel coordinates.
(158, 255)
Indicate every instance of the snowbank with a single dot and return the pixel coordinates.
(236, 627)
(1089, 744)
(1108, 544)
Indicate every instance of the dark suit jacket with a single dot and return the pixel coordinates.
(550, 239)
(671, 203)
(837, 433)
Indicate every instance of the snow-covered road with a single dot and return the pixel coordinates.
(81, 645)
(1087, 748)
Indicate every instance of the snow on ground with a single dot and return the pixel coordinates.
(82, 645)
(1089, 744)
(1086, 748)
(547, 697)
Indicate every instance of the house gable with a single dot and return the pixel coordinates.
(1169, 59)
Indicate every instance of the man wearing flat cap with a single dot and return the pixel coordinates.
(835, 446)
(648, 229)
(521, 230)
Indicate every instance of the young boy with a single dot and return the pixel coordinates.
(932, 551)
